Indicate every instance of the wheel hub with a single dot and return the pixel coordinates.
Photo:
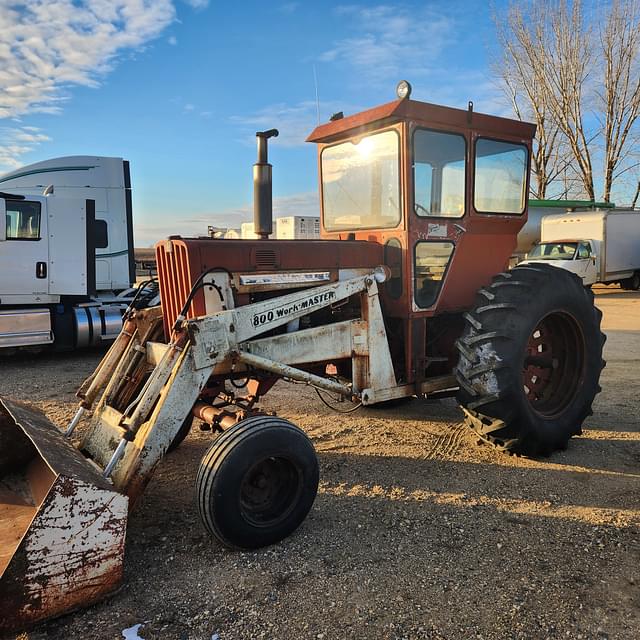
(269, 491)
(553, 366)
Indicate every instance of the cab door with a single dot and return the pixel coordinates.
(24, 252)
(587, 269)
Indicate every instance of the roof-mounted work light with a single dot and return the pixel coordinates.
(403, 89)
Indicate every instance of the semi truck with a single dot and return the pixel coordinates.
(598, 246)
(66, 252)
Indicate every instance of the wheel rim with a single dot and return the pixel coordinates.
(269, 491)
(554, 362)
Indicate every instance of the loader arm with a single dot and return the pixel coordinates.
(128, 444)
(140, 395)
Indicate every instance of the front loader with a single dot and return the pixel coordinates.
(405, 295)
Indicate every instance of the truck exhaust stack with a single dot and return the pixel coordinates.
(262, 187)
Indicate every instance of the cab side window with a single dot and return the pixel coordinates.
(500, 177)
(23, 220)
(430, 262)
(584, 251)
(100, 234)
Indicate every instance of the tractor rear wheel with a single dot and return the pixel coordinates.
(257, 482)
(530, 358)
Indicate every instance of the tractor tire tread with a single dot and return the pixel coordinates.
(488, 381)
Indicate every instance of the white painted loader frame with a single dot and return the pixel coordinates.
(127, 446)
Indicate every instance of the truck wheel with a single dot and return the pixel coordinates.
(257, 482)
(530, 358)
(632, 283)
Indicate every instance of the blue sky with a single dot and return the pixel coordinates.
(180, 87)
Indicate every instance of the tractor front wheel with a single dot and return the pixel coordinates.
(257, 482)
(530, 358)
(183, 432)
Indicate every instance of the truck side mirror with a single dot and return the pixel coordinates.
(3, 219)
(593, 257)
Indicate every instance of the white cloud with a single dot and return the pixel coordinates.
(189, 108)
(300, 204)
(387, 43)
(197, 4)
(16, 141)
(392, 41)
(46, 46)
(49, 46)
(288, 7)
(294, 122)
(172, 40)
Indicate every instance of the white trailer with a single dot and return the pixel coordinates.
(66, 252)
(247, 231)
(298, 228)
(598, 246)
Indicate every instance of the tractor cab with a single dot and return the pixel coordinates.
(443, 190)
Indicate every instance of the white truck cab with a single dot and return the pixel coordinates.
(44, 249)
(104, 180)
(578, 256)
(66, 252)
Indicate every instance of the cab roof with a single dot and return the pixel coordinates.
(425, 112)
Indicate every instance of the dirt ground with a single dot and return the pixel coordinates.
(417, 531)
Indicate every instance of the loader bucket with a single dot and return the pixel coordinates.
(62, 526)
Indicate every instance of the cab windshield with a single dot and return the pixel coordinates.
(554, 251)
(361, 183)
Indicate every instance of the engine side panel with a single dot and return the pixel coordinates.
(182, 260)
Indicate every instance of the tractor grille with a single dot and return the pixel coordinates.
(175, 279)
(265, 259)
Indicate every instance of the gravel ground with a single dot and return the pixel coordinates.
(417, 532)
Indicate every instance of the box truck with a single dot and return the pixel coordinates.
(598, 246)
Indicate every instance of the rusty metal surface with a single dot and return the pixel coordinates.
(415, 110)
(58, 452)
(182, 260)
(64, 532)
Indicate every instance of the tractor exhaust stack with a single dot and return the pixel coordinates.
(262, 187)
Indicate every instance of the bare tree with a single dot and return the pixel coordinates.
(567, 66)
(620, 92)
(547, 55)
(521, 82)
(636, 196)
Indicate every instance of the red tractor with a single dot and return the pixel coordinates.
(406, 294)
